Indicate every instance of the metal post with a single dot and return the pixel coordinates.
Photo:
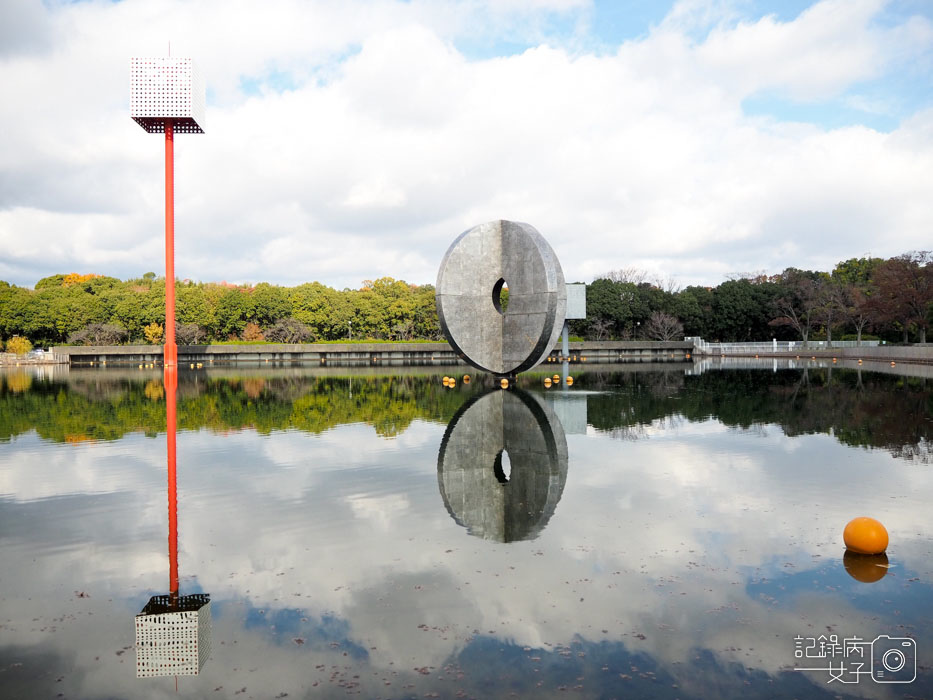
(171, 384)
(170, 349)
(565, 351)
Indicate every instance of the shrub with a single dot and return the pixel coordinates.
(153, 333)
(252, 332)
(99, 334)
(189, 333)
(18, 345)
(289, 330)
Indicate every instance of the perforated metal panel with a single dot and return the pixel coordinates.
(173, 637)
(167, 87)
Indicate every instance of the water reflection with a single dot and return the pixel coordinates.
(867, 568)
(692, 556)
(173, 632)
(513, 428)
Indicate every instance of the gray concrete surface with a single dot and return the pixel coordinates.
(470, 473)
(518, 338)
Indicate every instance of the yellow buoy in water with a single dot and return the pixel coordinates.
(866, 568)
(569, 381)
(504, 383)
(865, 536)
(556, 377)
(452, 383)
(547, 381)
(466, 378)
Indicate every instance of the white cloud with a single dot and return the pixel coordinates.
(348, 141)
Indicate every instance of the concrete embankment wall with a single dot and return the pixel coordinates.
(879, 353)
(360, 353)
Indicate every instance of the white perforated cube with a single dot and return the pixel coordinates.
(163, 88)
(173, 636)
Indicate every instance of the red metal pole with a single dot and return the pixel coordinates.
(171, 384)
(170, 350)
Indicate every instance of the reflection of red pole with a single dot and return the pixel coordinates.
(170, 351)
(171, 384)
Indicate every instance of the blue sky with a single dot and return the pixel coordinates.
(697, 139)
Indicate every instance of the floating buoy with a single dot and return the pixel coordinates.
(548, 382)
(452, 383)
(860, 362)
(446, 379)
(569, 380)
(466, 378)
(583, 359)
(893, 363)
(866, 568)
(504, 383)
(688, 355)
(865, 536)
(556, 378)
(834, 359)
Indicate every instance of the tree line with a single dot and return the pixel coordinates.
(99, 310)
(891, 299)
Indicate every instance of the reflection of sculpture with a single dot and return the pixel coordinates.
(476, 490)
(173, 633)
(478, 264)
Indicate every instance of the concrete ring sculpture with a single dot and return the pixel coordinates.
(476, 491)
(475, 268)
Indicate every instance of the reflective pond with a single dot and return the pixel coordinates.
(663, 532)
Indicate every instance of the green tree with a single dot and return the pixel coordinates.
(268, 304)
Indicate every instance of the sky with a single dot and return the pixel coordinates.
(351, 140)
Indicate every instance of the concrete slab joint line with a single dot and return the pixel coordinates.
(501, 341)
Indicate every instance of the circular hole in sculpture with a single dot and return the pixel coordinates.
(500, 295)
(503, 467)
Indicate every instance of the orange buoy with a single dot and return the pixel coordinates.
(466, 378)
(569, 381)
(451, 382)
(556, 378)
(893, 363)
(547, 381)
(866, 568)
(504, 383)
(865, 536)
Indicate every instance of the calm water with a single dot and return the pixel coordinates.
(670, 534)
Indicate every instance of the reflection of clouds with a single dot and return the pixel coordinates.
(31, 468)
(381, 511)
(658, 538)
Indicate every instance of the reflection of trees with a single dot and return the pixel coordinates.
(106, 409)
(863, 409)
